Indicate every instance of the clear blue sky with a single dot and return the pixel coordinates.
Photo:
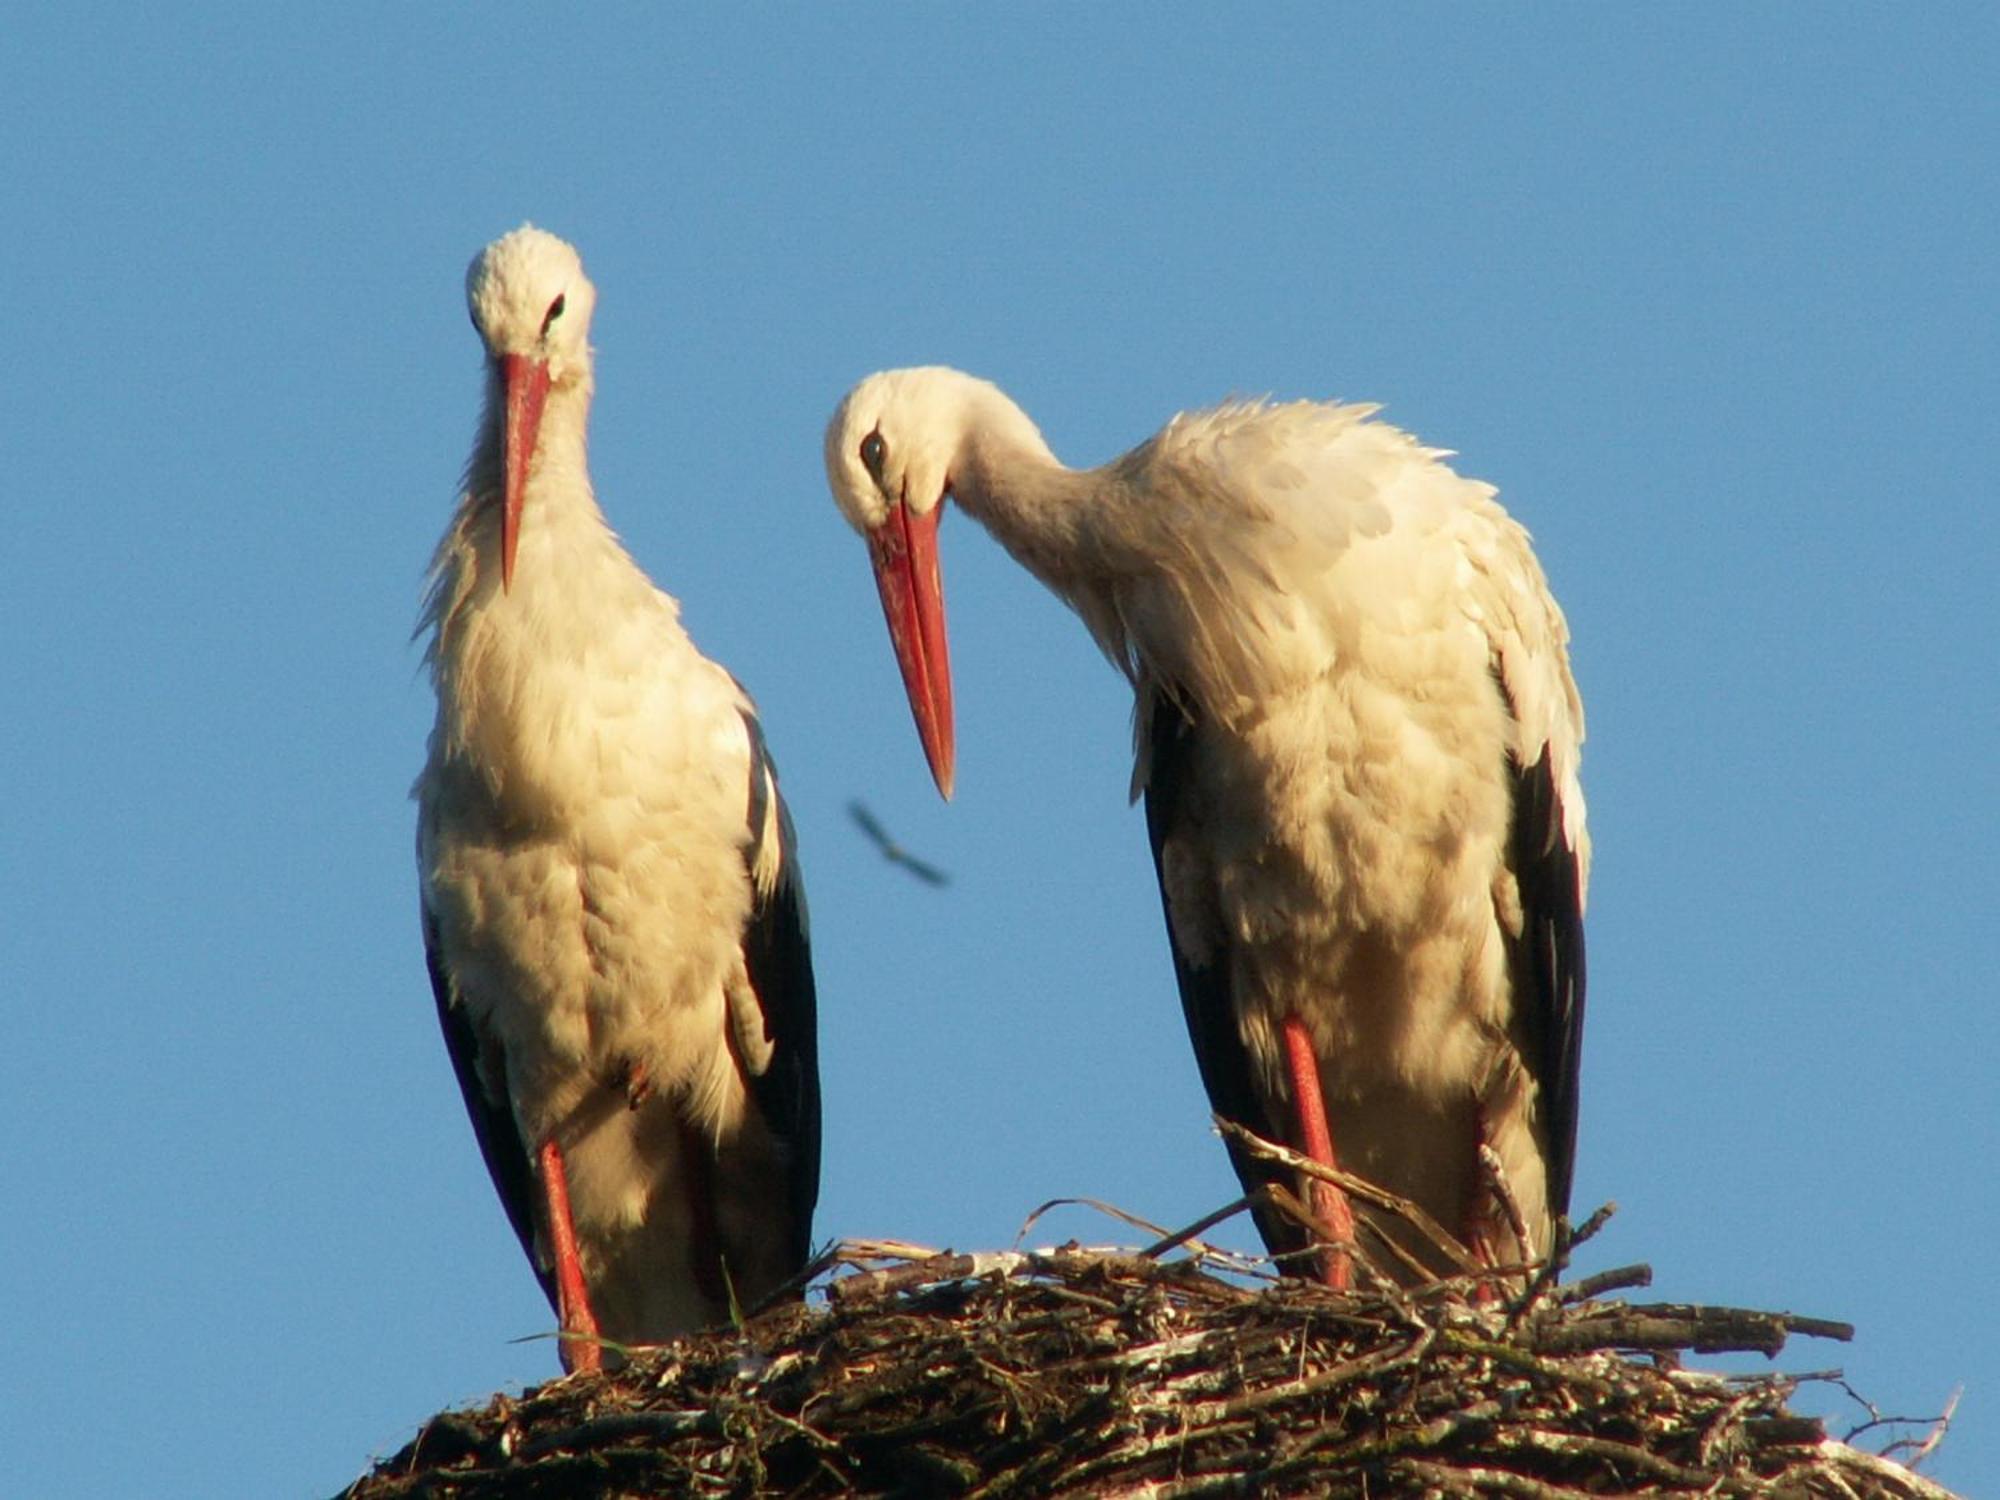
(1708, 291)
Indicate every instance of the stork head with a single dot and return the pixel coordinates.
(531, 303)
(890, 453)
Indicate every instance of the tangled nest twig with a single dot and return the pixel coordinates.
(1073, 1372)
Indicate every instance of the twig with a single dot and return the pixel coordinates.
(1896, 1479)
(1186, 1236)
(657, 1426)
(1939, 1428)
(1359, 1187)
(933, 1270)
(1295, 1208)
(1109, 1210)
(1921, 1448)
(1617, 1279)
(1456, 1480)
(1675, 1325)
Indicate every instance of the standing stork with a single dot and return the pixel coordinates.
(612, 911)
(1357, 736)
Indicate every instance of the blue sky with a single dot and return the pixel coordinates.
(1707, 290)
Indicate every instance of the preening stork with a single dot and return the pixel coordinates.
(1358, 741)
(612, 911)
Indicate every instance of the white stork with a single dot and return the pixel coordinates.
(1358, 740)
(612, 912)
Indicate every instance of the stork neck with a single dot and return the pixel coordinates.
(1009, 481)
(560, 474)
(562, 465)
(562, 446)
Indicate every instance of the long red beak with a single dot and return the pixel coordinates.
(904, 551)
(527, 386)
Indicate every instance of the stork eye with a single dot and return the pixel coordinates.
(874, 453)
(555, 311)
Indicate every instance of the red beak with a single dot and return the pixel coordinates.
(527, 387)
(904, 551)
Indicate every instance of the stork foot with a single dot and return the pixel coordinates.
(1330, 1205)
(638, 1085)
(579, 1342)
(1495, 1230)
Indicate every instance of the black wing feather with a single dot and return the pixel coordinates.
(507, 1159)
(1550, 1014)
(777, 952)
(1206, 998)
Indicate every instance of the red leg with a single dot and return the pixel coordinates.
(1479, 1240)
(572, 1301)
(1316, 1138)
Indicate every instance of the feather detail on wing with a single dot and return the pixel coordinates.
(1549, 966)
(1549, 846)
(1202, 965)
(777, 958)
(507, 1158)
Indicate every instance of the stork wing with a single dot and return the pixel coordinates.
(1205, 986)
(777, 954)
(1550, 845)
(1549, 961)
(507, 1159)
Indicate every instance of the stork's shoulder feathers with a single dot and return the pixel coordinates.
(1254, 455)
(1275, 546)
(1264, 541)
(1506, 593)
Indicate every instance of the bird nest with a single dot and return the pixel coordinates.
(1174, 1371)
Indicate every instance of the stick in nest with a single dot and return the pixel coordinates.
(1411, 1213)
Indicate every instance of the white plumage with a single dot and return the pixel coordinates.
(1358, 740)
(614, 922)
